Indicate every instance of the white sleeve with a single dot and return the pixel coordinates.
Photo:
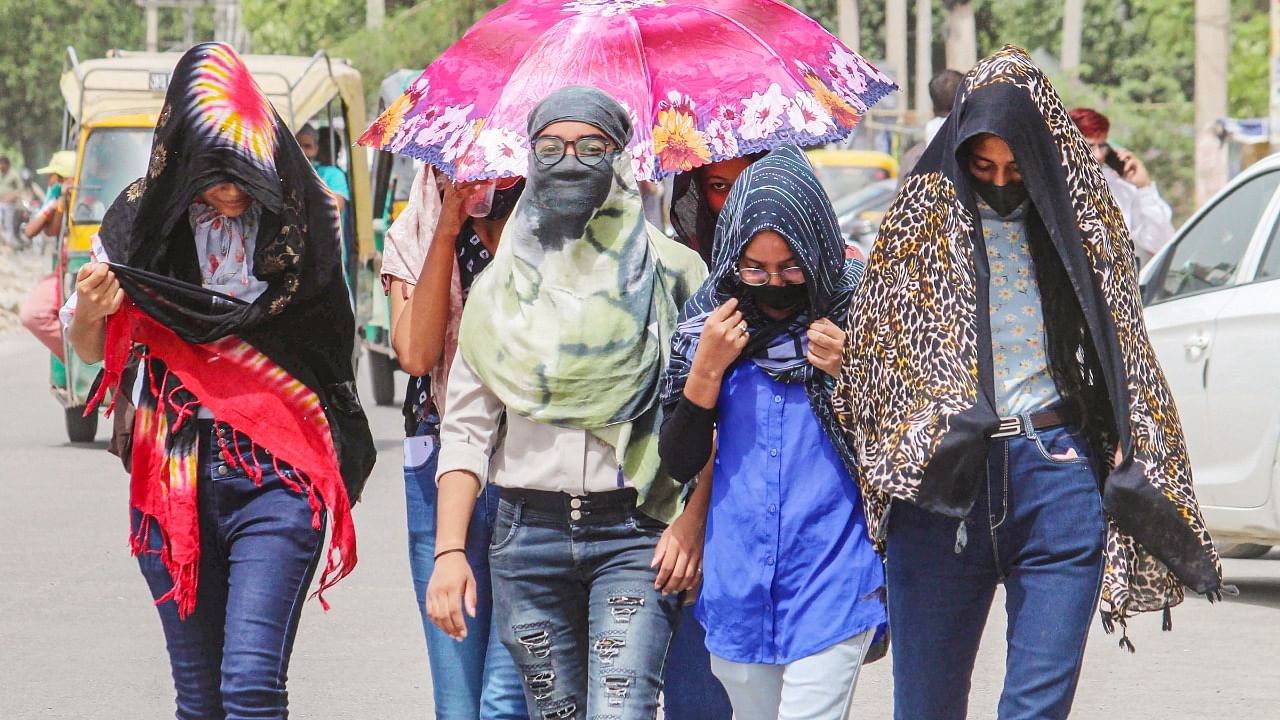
(1150, 219)
(68, 310)
(469, 429)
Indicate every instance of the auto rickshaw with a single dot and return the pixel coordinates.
(111, 108)
(392, 180)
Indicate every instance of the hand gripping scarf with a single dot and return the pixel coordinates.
(570, 322)
(916, 392)
(781, 193)
(277, 370)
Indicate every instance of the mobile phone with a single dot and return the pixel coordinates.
(1114, 162)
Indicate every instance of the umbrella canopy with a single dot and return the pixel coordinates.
(703, 80)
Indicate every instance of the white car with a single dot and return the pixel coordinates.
(1213, 310)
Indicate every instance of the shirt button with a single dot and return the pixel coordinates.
(777, 398)
(575, 515)
(773, 508)
(773, 452)
(768, 560)
(575, 503)
(222, 470)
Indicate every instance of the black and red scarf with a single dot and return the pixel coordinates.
(277, 370)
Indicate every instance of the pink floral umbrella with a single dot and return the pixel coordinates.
(703, 80)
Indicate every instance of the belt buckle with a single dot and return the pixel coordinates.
(1009, 427)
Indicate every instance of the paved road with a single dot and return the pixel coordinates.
(78, 638)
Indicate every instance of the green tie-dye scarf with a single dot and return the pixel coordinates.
(575, 332)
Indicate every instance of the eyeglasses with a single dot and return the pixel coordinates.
(590, 150)
(757, 277)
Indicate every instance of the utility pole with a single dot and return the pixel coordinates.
(895, 46)
(153, 27)
(1213, 43)
(375, 13)
(848, 24)
(1274, 121)
(962, 35)
(924, 59)
(1072, 30)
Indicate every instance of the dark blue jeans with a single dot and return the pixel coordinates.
(576, 606)
(475, 678)
(1037, 527)
(691, 691)
(258, 554)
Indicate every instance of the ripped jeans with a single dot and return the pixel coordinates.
(575, 603)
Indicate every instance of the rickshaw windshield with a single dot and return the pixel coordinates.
(113, 158)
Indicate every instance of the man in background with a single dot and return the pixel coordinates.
(942, 95)
(10, 192)
(1149, 217)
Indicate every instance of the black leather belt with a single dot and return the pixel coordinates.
(1043, 420)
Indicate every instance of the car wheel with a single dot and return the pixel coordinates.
(382, 374)
(81, 428)
(1243, 551)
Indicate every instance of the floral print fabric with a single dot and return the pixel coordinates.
(1022, 380)
(224, 247)
(703, 80)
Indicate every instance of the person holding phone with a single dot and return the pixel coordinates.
(1149, 217)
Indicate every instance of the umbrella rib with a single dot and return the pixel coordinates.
(638, 37)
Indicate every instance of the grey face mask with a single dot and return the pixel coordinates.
(567, 195)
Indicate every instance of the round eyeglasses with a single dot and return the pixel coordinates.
(590, 150)
(757, 277)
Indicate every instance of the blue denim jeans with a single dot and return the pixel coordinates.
(576, 605)
(691, 691)
(1037, 527)
(475, 678)
(258, 554)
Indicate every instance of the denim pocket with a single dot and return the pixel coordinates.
(505, 527)
(1062, 441)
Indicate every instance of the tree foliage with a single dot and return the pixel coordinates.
(32, 48)
(300, 27)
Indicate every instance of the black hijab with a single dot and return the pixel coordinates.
(693, 219)
(216, 126)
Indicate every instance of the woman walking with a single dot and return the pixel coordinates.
(998, 375)
(433, 253)
(791, 599)
(225, 279)
(553, 397)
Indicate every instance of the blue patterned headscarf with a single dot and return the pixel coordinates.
(779, 192)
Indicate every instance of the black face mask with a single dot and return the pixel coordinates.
(779, 297)
(1004, 199)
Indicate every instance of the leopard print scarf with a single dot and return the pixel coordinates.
(914, 394)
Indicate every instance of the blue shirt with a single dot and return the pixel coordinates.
(788, 567)
(335, 179)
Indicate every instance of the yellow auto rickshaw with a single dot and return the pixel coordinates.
(112, 104)
(392, 179)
